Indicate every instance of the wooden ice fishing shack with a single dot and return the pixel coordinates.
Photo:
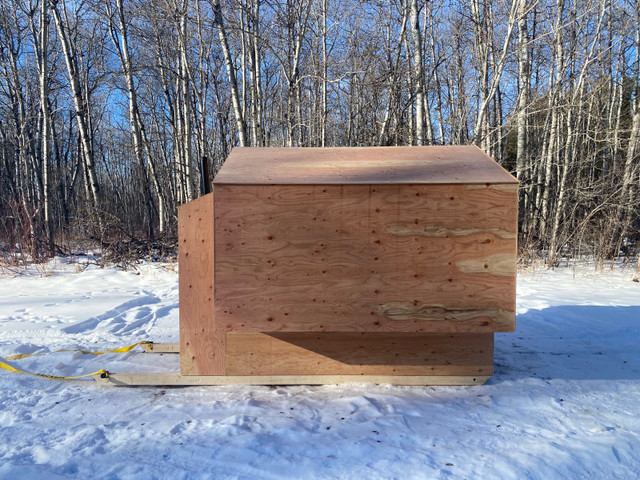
(324, 265)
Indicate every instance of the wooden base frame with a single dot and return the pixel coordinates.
(176, 379)
(161, 347)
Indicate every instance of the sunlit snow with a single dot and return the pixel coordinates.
(563, 402)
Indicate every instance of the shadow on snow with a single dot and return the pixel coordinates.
(577, 342)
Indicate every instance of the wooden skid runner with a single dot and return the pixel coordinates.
(175, 379)
(161, 348)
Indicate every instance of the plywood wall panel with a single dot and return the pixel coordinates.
(373, 258)
(202, 346)
(359, 354)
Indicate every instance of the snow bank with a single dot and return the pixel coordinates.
(562, 404)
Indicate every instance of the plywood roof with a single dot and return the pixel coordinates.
(362, 165)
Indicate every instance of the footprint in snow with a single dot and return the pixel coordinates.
(117, 314)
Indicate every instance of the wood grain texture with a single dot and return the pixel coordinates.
(435, 314)
(359, 354)
(365, 258)
(161, 348)
(438, 231)
(325, 264)
(201, 344)
(176, 379)
(362, 165)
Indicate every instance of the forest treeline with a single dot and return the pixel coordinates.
(113, 112)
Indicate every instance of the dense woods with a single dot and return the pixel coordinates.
(114, 112)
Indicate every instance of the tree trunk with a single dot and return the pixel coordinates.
(121, 43)
(81, 105)
(488, 90)
(231, 72)
(553, 142)
(418, 70)
(43, 72)
(185, 101)
(630, 174)
(524, 77)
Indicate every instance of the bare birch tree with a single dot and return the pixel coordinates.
(121, 106)
(80, 102)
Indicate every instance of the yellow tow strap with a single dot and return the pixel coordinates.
(87, 352)
(11, 368)
(6, 366)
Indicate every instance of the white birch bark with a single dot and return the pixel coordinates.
(231, 73)
(418, 71)
(631, 159)
(185, 103)
(524, 75)
(121, 43)
(569, 142)
(81, 105)
(480, 130)
(46, 124)
(551, 149)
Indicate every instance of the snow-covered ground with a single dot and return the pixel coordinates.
(564, 402)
